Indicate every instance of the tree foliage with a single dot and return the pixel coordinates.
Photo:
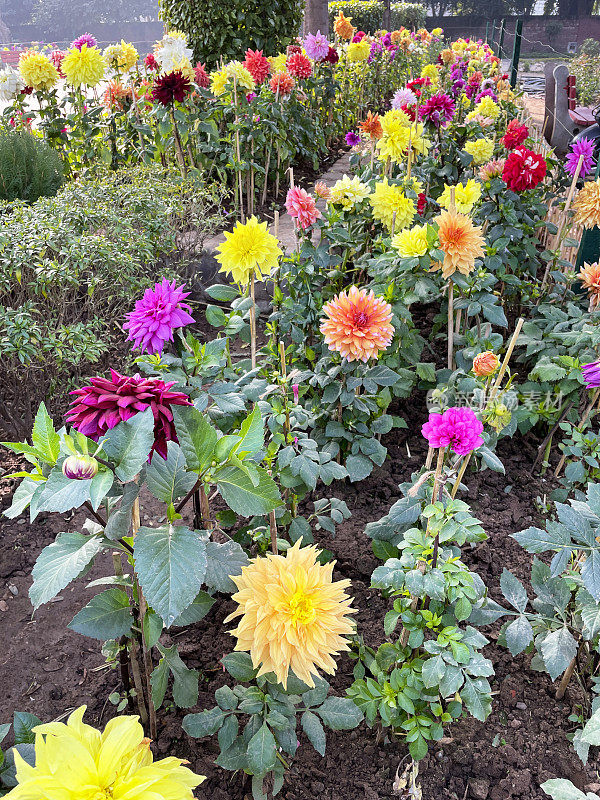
(218, 30)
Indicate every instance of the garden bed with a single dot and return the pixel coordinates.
(523, 743)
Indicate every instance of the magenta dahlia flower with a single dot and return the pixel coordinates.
(439, 110)
(457, 428)
(591, 374)
(85, 38)
(585, 148)
(316, 46)
(157, 315)
(99, 407)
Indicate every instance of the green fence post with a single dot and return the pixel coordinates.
(487, 32)
(493, 34)
(501, 38)
(514, 66)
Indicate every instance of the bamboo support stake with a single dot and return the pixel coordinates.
(563, 220)
(238, 151)
(493, 393)
(564, 681)
(252, 322)
(273, 529)
(452, 209)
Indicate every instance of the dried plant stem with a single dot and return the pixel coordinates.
(564, 681)
(273, 529)
(205, 509)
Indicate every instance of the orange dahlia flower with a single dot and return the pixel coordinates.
(357, 325)
(590, 278)
(485, 364)
(281, 83)
(343, 27)
(322, 190)
(372, 126)
(461, 241)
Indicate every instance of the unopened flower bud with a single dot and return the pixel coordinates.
(296, 391)
(80, 468)
(485, 364)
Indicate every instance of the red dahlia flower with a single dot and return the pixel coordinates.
(515, 134)
(151, 63)
(299, 66)
(257, 65)
(201, 76)
(100, 406)
(170, 87)
(523, 169)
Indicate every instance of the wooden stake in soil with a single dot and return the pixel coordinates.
(252, 322)
(451, 295)
(273, 529)
(238, 151)
(493, 393)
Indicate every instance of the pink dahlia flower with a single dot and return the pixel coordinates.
(457, 428)
(404, 97)
(585, 148)
(154, 318)
(439, 110)
(99, 407)
(301, 206)
(316, 46)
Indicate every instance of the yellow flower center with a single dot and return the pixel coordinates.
(103, 794)
(301, 609)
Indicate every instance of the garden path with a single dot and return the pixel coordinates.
(286, 235)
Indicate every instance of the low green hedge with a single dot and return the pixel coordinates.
(367, 15)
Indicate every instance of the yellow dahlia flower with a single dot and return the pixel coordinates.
(122, 57)
(244, 80)
(430, 71)
(37, 70)
(411, 243)
(249, 248)
(74, 761)
(460, 241)
(587, 205)
(487, 108)
(393, 144)
(278, 63)
(481, 149)
(293, 615)
(358, 51)
(465, 196)
(218, 81)
(83, 67)
(347, 192)
(388, 200)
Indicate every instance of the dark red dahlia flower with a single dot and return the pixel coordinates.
(332, 56)
(170, 87)
(99, 407)
(515, 134)
(523, 169)
(439, 110)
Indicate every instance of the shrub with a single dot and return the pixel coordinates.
(367, 15)
(226, 30)
(69, 268)
(590, 47)
(30, 167)
(586, 69)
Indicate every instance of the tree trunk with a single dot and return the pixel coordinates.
(316, 17)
